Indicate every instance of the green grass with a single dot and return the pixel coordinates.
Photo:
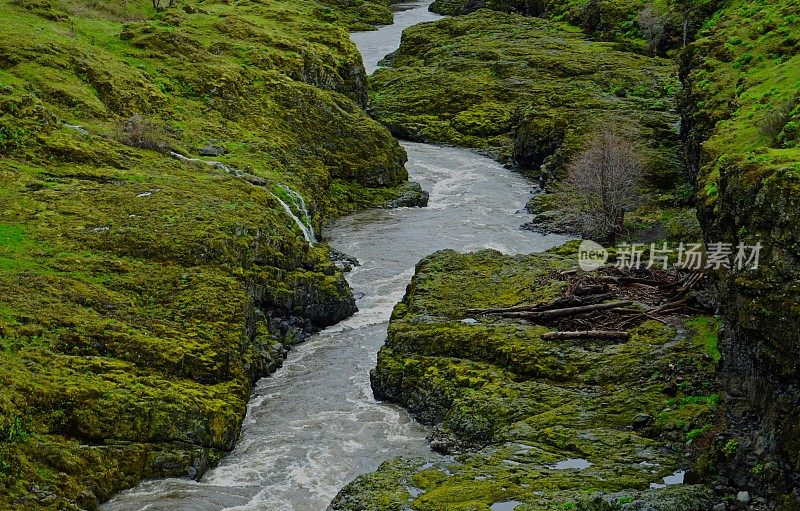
(15, 249)
(705, 330)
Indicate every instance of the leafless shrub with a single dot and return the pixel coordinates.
(603, 183)
(158, 5)
(138, 131)
(653, 25)
(776, 119)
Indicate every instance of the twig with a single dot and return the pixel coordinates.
(561, 303)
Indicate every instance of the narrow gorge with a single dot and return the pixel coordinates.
(309, 255)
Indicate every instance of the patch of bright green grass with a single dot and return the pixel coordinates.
(705, 330)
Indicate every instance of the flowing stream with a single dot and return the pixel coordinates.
(314, 425)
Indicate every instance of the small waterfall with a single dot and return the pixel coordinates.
(297, 201)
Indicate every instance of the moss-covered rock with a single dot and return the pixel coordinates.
(542, 423)
(642, 26)
(740, 122)
(526, 91)
(606, 20)
(142, 293)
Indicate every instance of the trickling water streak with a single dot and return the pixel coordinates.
(216, 164)
(299, 203)
(308, 232)
(297, 199)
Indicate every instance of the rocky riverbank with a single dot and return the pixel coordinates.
(531, 423)
(531, 93)
(524, 90)
(162, 166)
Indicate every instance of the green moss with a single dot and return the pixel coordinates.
(741, 78)
(706, 331)
(142, 295)
(516, 405)
(526, 91)
(606, 20)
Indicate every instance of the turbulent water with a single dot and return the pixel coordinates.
(314, 425)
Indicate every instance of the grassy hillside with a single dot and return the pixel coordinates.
(140, 293)
(524, 90)
(643, 26)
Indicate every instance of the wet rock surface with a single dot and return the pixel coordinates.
(411, 196)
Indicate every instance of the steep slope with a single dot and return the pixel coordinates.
(150, 267)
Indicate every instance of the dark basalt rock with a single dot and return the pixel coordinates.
(211, 150)
(411, 196)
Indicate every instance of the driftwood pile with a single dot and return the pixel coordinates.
(605, 305)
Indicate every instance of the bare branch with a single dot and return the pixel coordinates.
(603, 183)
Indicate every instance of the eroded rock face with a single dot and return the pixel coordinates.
(740, 119)
(527, 420)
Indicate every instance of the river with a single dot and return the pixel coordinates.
(314, 425)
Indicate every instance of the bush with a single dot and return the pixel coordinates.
(775, 122)
(603, 183)
(653, 25)
(138, 131)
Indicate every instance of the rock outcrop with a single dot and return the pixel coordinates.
(543, 424)
(525, 91)
(741, 121)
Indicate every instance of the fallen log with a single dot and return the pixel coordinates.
(569, 311)
(501, 310)
(589, 334)
(591, 289)
(627, 310)
(690, 283)
(559, 304)
(576, 301)
(633, 280)
(677, 304)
